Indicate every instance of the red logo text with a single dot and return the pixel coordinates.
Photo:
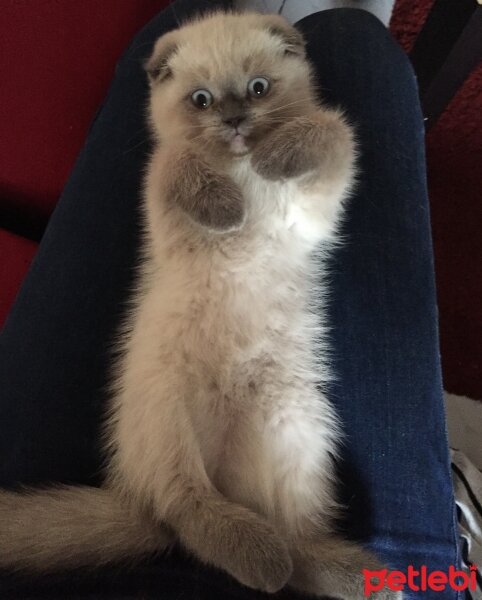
(419, 580)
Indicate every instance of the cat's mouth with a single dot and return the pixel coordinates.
(238, 144)
(239, 140)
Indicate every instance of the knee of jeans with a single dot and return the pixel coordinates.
(362, 35)
(355, 19)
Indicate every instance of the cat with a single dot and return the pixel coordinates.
(219, 431)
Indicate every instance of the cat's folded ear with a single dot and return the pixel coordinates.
(157, 65)
(292, 38)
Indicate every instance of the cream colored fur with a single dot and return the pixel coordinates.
(218, 431)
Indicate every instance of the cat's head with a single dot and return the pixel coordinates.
(223, 81)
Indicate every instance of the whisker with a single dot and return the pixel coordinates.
(282, 107)
(142, 130)
(272, 119)
(194, 139)
(143, 141)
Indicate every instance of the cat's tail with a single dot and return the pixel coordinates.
(67, 527)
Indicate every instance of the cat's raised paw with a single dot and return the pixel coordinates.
(321, 144)
(281, 154)
(219, 205)
(210, 198)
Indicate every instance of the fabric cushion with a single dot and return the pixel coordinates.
(56, 61)
(16, 254)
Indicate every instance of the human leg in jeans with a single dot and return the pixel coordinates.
(389, 391)
(54, 349)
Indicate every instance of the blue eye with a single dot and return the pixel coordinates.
(202, 98)
(258, 87)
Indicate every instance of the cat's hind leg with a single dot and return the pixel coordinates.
(331, 566)
(158, 460)
(279, 464)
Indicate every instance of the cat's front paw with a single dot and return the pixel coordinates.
(321, 143)
(281, 155)
(209, 197)
(218, 204)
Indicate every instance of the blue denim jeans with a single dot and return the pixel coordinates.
(55, 346)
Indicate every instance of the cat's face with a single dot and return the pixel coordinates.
(223, 82)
